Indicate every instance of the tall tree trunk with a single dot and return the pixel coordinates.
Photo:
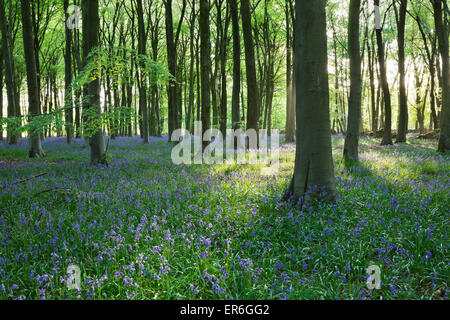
(9, 73)
(290, 105)
(387, 133)
(442, 35)
(223, 65)
(172, 63)
(91, 25)
(235, 110)
(36, 150)
(252, 85)
(205, 66)
(68, 108)
(1, 94)
(142, 79)
(403, 112)
(354, 102)
(313, 159)
(189, 114)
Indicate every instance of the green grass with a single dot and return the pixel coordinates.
(147, 229)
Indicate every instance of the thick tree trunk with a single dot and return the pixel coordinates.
(403, 112)
(354, 103)
(387, 133)
(91, 23)
(442, 35)
(36, 150)
(314, 169)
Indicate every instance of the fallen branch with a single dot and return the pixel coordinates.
(27, 179)
(50, 190)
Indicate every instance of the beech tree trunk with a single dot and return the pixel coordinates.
(387, 133)
(252, 85)
(141, 81)
(402, 129)
(314, 169)
(36, 150)
(9, 73)
(442, 35)
(354, 102)
(91, 41)
(68, 109)
(235, 109)
(205, 66)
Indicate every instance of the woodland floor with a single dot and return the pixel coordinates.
(144, 228)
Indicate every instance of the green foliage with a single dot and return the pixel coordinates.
(103, 62)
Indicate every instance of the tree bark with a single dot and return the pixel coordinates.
(68, 108)
(290, 103)
(387, 133)
(91, 42)
(354, 102)
(36, 150)
(442, 35)
(235, 109)
(205, 66)
(9, 73)
(141, 81)
(172, 63)
(314, 169)
(252, 85)
(403, 112)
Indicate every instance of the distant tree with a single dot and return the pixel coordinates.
(313, 158)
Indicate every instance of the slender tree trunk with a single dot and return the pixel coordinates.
(36, 150)
(189, 114)
(314, 169)
(235, 109)
(205, 66)
(141, 81)
(68, 81)
(387, 133)
(1, 94)
(9, 73)
(252, 85)
(172, 62)
(403, 112)
(354, 103)
(223, 82)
